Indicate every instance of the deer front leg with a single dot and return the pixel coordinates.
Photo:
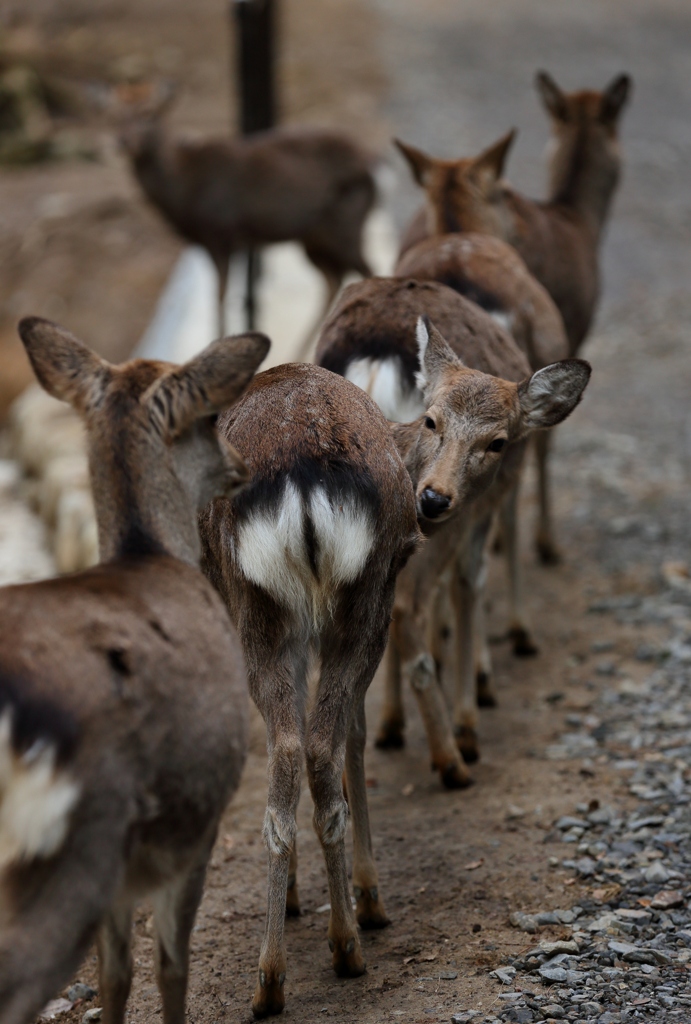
(292, 896)
(545, 544)
(519, 631)
(483, 659)
(369, 911)
(390, 733)
(465, 586)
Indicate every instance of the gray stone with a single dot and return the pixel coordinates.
(586, 867)
(92, 1015)
(591, 1009)
(80, 991)
(526, 922)
(554, 1010)
(568, 822)
(564, 946)
(505, 975)
(553, 973)
(657, 872)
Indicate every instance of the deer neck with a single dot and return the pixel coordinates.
(583, 177)
(139, 514)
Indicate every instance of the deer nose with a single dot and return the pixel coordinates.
(433, 504)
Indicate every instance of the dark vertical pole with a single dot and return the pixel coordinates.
(255, 62)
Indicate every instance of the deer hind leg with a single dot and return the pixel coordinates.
(278, 686)
(175, 909)
(115, 960)
(369, 910)
(545, 544)
(221, 261)
(392, 723)
(292, 896)
(466, 587)
(325, 754)
(519, 631)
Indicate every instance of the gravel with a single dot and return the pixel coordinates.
(626, 950)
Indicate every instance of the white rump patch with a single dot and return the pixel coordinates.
(504, 320)
(272, 552)
(35, 800)
(384, 382)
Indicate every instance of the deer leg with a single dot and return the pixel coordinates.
(466, 582)
(292, 896)
(546, 546)
(175, 909)
(325, 754)
(519, 632)
(222, 264)
(419, 669)
(369, 911)
(115, 961)
(278, 687)
(390, 734)
(483, 658)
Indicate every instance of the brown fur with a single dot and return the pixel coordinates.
(558, 239)
(132, 674)
(449, 454)
(304, 431)
(311, 185)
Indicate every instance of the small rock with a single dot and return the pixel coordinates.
(590, 1009)
(448, 975)
(554, 1010)
(520, 1015)
(80, 991)
(92, 1015)
(568, 822)
(667, 899)
(553, 973)
(463, 1018)
(548, 917)
(586, 867)
(561, 946)
(656, 872)
(54, 1008)
(526, 922)
(505, 975)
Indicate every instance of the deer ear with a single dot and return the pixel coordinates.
(434, 354)
(420, 164)
(63, 365)
(488, 167)
(207, 384)
(552, 393)
(614, 97)
(551, 95)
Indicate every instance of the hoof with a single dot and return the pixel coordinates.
(347, 958)
(466, 741)
(547, 551)
(523, 646)
(455, 776)
(292, 900)
(390, 736)
(369, 909)
(268, 995)
(485, 694)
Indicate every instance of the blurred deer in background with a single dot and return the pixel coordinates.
(559, 239)
(123, 694)
(310, 185)
(463, 456)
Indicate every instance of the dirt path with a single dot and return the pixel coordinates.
(454, 865)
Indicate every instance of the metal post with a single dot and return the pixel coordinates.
(255, 63)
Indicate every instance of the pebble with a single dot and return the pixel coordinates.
(80, 991)
(92, 1015)
(526, 922)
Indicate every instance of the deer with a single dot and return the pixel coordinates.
(305, 184)
(490, 273)
(475, 403)
(123, 688)
(306, 559)
(558, 239)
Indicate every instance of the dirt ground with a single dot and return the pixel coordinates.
(78, 244)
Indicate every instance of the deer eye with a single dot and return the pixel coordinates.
(429, 423)
(496, 445)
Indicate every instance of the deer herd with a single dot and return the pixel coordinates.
(282, 531)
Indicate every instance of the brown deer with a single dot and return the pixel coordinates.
(491, 274)
(463, 455)
(558, 239)
(306, 559)
(123, 694)
(305, 184)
